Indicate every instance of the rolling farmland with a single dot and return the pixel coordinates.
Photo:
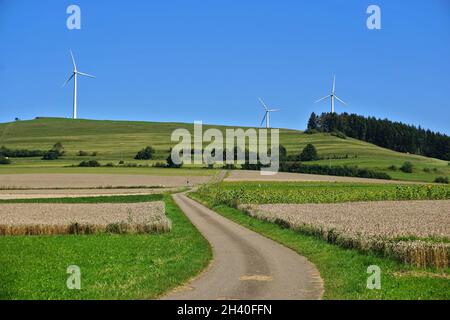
(114, 141)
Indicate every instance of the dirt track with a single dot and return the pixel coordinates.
(31, 181)
(245, 175)
(77, 193)
(246, 265)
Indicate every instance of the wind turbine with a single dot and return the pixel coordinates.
(267, 114)
(75, 76)
(332, 96)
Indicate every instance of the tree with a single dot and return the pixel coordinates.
(58, 147)
(407, 167)
(313, 122)
(145, 154)
(51, 155)
(54, 153)
(282, 153)
(4, 160)
(441, 180)
(170, 163)
(309, 153)
(385, 133)
(90, 163)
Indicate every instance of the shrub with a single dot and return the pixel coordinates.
(58, 147)
(393, 168)
(89, 163)
(248, 166)
(51, 155)
(159, 165)
(309, 153)
(121, 162)
(171, 164)
(82, 153)
(131, 165)
(441, 180)
(311, 131)
(407, 167)
(20, 153)
(344, 171)
(56, 152)
(4, 160)
(282, 152)
(427, 170)
(109, 164)
(94, 154)
(145, 154)
(339, 134)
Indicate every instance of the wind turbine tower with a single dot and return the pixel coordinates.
(332, 96)
(267, 114)
(74, 76)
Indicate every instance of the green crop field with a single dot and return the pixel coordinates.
(235, 193)
(121, 140)
(112, 266)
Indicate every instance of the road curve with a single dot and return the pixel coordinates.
(246, 265)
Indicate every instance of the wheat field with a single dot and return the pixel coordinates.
(415, 232)
(80, 218)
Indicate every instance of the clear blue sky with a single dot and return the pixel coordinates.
(209, 60)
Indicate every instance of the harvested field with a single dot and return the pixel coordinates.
(46, 218)
(77, 193)
(415, 232)
(247, 175)
(31, 181)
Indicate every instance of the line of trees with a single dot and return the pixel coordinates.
(396, 136)
(20, 153)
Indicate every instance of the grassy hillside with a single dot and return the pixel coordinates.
(120, 140)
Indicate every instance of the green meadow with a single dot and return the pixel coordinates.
(128, 266)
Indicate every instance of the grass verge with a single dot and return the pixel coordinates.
(112, 266)
(344, 271)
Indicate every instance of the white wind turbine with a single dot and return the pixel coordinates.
(332, 96)
(75, 76)
(267, 114)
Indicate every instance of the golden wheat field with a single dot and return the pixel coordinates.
(51, 218)
(415, 232)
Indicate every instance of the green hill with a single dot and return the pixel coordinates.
(120, 140)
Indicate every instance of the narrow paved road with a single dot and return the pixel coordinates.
(246, 265)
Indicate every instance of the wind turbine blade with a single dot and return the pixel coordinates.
(262, 122)
(274, 110)
(337, 98)
(85, 74)
(264, 105)
(322, 99)
(73, 60)
(70, 78)
(334, 84)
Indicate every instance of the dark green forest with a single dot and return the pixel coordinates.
(396, 136)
